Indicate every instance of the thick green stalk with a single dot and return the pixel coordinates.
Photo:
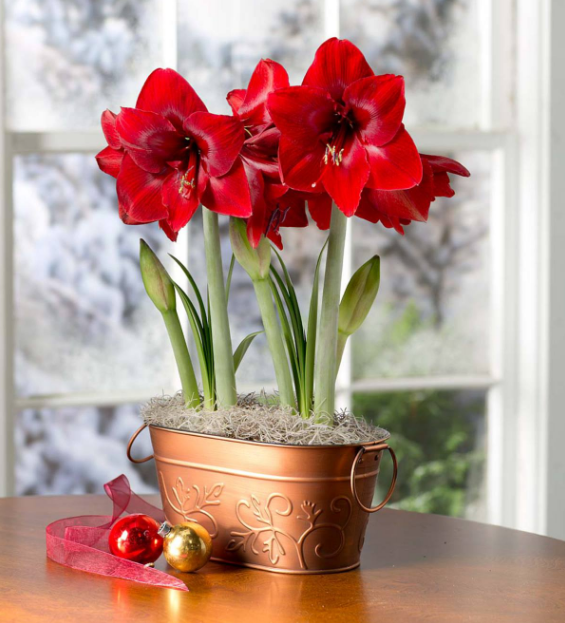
(223, 356)
(182, 357)
(274, 339)
(324, 375)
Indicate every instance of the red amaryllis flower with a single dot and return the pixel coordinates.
(274, 205)
(176, 156)
(396, 208)
(110, 159)
(342, 129)
(282, 207)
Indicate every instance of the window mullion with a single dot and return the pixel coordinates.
(6, 295)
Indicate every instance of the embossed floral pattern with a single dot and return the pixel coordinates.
(262, 530)
(193, 500)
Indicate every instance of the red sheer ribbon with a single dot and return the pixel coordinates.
(82, 542)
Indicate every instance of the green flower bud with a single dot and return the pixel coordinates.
(359, 296)
(156, 280)
(256, 262)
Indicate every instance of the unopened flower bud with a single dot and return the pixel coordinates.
(156, 280)
(359, 296)
(256, 262)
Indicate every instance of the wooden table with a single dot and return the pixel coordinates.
(414, 568)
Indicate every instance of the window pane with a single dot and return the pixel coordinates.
(435, 45)
(221, 42)
(83, 319)
(439, 438)
(431, 316)
(68, 60)
(77, 450)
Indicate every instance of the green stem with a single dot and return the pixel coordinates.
(325, 369)
(182, 357)
(275, 341)
(222, 346)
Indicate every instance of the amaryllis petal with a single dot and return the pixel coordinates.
(181, 201)
(266, 78)
(171, 235)
(229, 194)
(305, 117)
(274, 235)
(260, 151)
(256, 222)
(303, 114)
(448, 165)
(346, 174)
(286, 210)
(167, 93)
(139, 192)
(110, 160)
(108, 122)
(320, 208)
(442, 185)
(219, 139)
(293, 207)
(150, 139)
(235, 99)
(441, 167)
(125, 217)
(396, 165)
(266, 141)
(377, 106)
(395, 208)
(301, 169)
(336, 65)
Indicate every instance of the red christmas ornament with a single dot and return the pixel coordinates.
(136, 537)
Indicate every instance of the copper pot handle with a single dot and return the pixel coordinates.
(360, 453)
(130, 444)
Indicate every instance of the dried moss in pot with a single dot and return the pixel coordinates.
(255, 419)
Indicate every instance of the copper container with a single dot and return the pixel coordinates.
(289, 509)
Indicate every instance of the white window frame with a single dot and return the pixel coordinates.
(526, 464)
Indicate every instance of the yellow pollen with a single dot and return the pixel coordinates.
(185, 183)
(335, 156)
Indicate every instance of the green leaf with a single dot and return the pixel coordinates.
(287, 333)
(198, 334)
(294, 313)
(228, 280)
(244, 345)
(194, 287)
(291, 290)
(311, 337)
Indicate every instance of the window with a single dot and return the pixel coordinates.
(437, 361)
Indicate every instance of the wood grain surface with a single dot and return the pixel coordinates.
(414, 568)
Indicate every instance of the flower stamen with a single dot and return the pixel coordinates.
(332, 153)
(277, 219)
(188, 179)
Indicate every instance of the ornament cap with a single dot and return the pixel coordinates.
(164, 529)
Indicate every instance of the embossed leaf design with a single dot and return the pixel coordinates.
(272, 534)
(188, 507)
(274, 548)
(215, 492)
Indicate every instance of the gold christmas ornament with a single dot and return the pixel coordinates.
(186, 546)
